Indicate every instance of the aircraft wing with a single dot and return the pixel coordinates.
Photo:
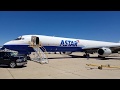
(92, 49)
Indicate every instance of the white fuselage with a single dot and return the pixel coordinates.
(54, 44)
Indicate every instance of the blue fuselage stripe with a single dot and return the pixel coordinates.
(26, 48)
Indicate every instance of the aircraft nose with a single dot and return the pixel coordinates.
(7, 43)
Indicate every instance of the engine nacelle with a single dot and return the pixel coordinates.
(104, 52)
(67, 53)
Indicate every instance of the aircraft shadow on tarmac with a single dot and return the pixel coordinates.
(92, 57)
(59, 57)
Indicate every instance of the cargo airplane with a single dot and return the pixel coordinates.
(61, 44)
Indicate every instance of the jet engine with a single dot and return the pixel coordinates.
(104, 52)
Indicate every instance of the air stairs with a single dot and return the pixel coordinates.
(41, 53)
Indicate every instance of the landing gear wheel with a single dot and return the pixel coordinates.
(99, 56)
(86, 55)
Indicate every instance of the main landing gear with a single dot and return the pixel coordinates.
(101, 57)
(86, 55)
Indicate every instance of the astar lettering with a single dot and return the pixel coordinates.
(68, 43)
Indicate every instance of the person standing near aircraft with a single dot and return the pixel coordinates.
(87, 55)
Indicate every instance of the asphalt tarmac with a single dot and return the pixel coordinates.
(61, 66)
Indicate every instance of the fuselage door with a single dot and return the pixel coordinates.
(35, 40)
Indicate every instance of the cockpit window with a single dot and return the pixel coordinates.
(19, 38)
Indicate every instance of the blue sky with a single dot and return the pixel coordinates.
(95, 25)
